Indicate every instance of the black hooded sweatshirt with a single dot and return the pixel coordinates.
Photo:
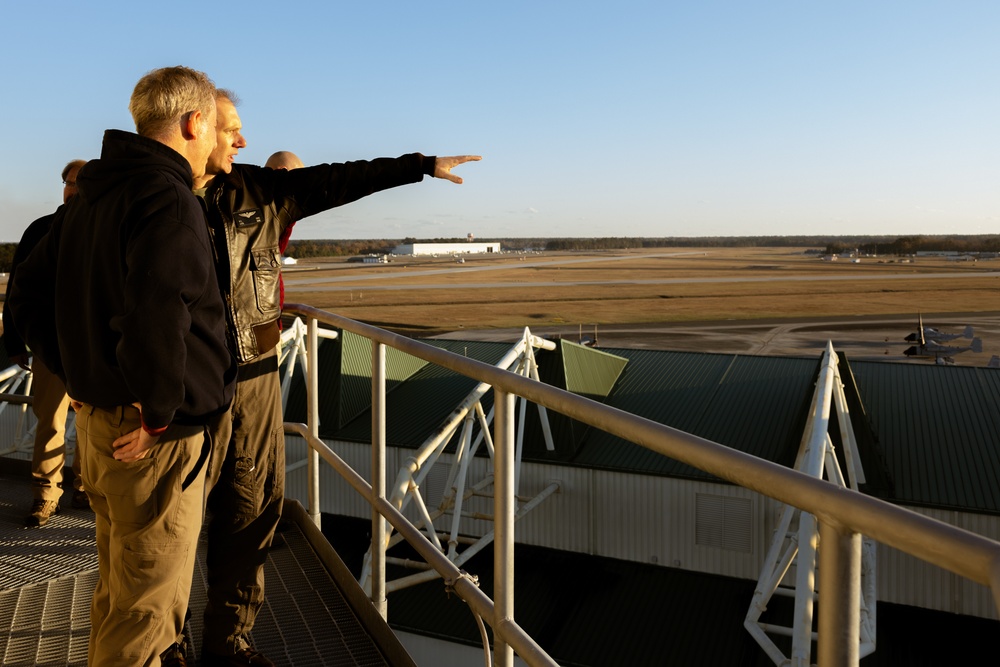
(128, 265)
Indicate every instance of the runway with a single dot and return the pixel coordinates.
(504, 266)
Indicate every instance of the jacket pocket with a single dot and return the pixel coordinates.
(266, 271)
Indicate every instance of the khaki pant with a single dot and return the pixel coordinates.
(50, 405)
(148, 515)
(246, 486)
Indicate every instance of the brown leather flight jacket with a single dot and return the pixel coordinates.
(249, 208)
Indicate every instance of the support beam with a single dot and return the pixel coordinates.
(839, 597)
(312, 419)
(503, 520)
(378, 595)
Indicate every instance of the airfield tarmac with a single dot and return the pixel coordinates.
(873, 337)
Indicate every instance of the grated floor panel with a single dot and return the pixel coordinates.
(47, 577)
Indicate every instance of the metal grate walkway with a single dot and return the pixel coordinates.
(314, 612)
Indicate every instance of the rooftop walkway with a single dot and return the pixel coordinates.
(314, 612)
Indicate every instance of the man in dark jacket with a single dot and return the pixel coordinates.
(138, 333)
(49, 401)
(249, 209)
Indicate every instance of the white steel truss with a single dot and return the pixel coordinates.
(459, 488)
(797, 536)
(294, 349)
(11, 380)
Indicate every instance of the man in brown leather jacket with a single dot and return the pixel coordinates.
(249, 208)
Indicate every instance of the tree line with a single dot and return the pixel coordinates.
(910, 245)
(884, 245)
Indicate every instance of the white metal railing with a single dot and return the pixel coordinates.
(844, 515)
(15, 390)
(12, 380)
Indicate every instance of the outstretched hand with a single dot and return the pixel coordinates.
(444, 165)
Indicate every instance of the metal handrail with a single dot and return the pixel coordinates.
(842, 513)
(463, 585)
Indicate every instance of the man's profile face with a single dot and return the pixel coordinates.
(230, 139)
(69, 185)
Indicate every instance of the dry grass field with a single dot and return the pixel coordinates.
(436, 295)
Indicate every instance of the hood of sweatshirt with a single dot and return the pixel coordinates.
(124, 155)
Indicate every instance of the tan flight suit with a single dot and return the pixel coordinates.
(50, 405)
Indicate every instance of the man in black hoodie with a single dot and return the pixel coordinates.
(138, 334)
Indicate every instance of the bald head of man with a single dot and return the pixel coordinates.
(284, 160)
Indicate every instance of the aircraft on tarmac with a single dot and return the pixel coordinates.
(929, 343)
(936, 335)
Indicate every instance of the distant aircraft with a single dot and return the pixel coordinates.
(929, 344)
(936, 335)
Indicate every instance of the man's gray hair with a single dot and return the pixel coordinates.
(164, 95)
(227, 94)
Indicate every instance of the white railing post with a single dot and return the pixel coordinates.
(378, 595)
(839, 597)
(503, 521)
(312, 418)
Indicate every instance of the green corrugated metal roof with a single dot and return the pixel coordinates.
(356, 370)
(754, 404)
(329, 387)
(939, 431)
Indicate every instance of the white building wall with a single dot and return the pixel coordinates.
(905, 579)
(446, 248)
(650, 520)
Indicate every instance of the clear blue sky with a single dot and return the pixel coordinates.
(664, 118)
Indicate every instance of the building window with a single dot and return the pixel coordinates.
(723, 522)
